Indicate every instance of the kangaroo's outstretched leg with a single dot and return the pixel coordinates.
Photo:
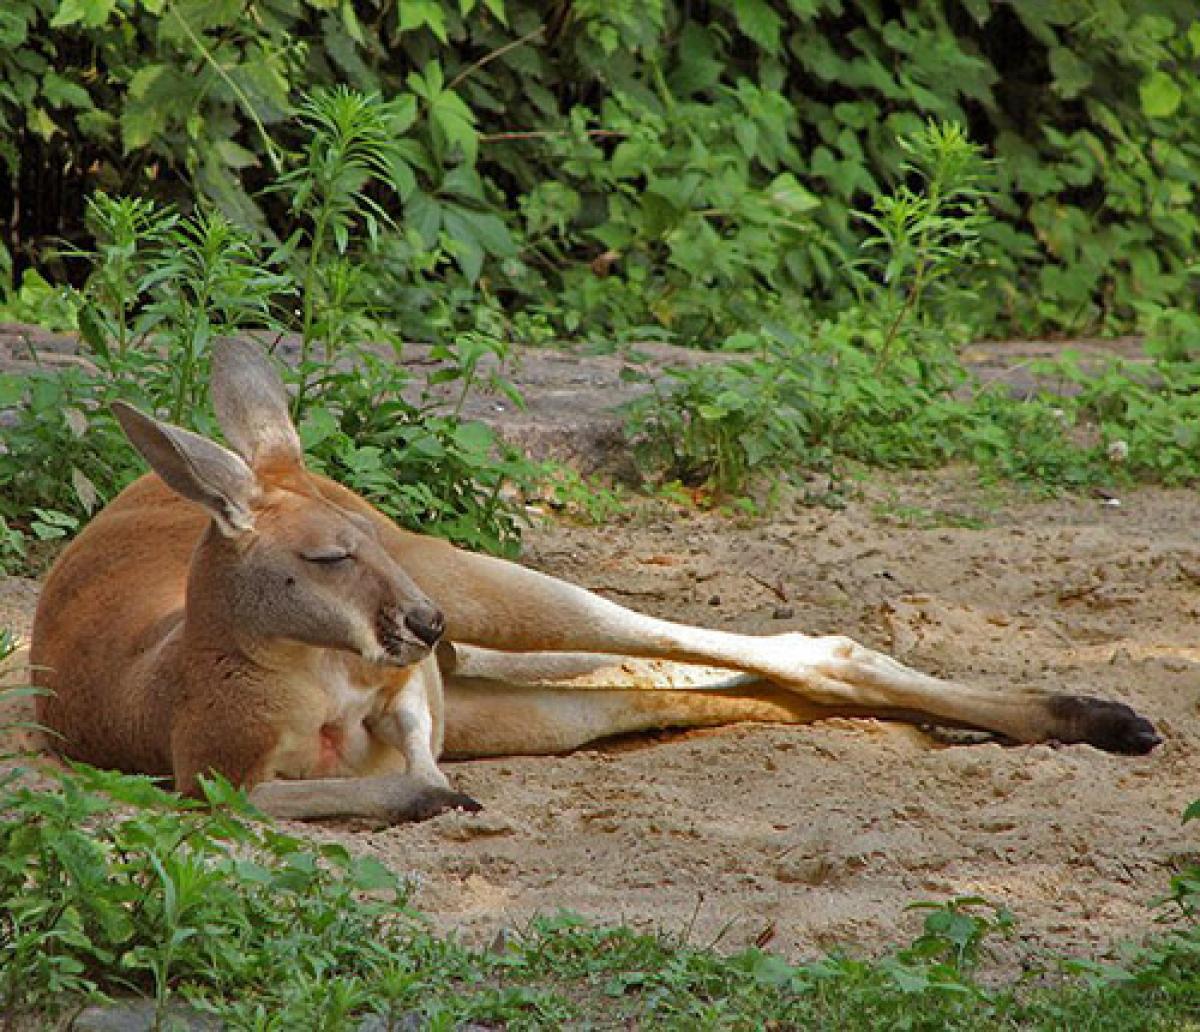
(500, 704)
(500, 605)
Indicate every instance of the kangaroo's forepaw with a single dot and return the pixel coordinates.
(434, 800)
(1111, 726)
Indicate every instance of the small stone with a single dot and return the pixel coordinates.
(460, 826)
(783, 613)
(715, 600)
(803, 870)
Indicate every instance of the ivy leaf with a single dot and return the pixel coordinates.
(756, 20)
(59, 92)
(416, 14)
(1072, 75)
(91, 13)
(1160, 95)
(1192, 813)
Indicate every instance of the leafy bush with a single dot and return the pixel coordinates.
(656, 164)
(882, 382)
(172, 893)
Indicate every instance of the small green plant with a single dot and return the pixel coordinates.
(354, 150)
(13, 687)
(922, 246)
(583, 499)
(1183, 898)
(955, 931)
(12, 547)
(109, 886)
(882, 384)
(427, 469)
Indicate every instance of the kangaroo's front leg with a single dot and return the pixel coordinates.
(282, 761)
(391, 798)
(410, 721)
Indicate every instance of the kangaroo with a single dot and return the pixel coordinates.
(232, 612)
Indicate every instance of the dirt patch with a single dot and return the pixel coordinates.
(821, 835)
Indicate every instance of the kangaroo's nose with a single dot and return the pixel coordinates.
(426, 622)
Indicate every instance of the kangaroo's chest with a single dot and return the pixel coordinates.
(330, 734)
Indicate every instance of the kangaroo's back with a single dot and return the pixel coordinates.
(112, 602)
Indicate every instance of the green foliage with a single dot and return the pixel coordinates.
(789, 182)
(162, 287)
(171, 894)
(882, 383)
(110, 886)
(706, 157)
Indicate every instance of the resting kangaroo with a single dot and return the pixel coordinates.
(233, 612)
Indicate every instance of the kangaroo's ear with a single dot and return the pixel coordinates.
(252, 404)
(199, 469)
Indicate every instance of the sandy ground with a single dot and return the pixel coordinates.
(806, 837)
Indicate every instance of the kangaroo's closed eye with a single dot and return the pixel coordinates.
(327, 557)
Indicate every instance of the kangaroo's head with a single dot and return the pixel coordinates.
(281, 562)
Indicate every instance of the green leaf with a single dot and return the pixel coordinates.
(139, 124)
(41, 123)
(97, 125)
(12, 390)
(424, 215)
(756, 20)
(786, 193)
(464, 245)
(59, 92)
(369, 874)
(493, 234)
(144, 78)
(90, 13)
(235, 155)
(416, 14)
(1160, 95)
(1072, 75)
(455, 121)
(474, 438)
(13, 30)
(1192, 813)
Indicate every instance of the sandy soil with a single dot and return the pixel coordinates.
(806, 837)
